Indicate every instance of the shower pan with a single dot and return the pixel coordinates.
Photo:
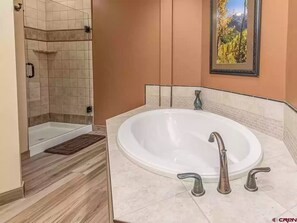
(49, 134)
(59, 73)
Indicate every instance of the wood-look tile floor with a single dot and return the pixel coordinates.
(63, 189)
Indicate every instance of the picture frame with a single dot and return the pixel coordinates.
(235, 32)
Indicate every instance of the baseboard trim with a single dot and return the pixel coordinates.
(25, 155)
(12, 195)
(99, 127)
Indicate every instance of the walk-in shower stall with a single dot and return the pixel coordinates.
(59, 71)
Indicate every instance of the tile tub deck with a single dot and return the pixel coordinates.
(141, 196)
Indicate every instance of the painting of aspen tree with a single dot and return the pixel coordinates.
(235, 36)
(232, 31)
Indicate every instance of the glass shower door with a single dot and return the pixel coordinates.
(59, 72)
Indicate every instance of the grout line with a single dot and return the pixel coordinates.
(284, 213)
(293, 208)
(160, 51)
(190, 194)
(172, 54)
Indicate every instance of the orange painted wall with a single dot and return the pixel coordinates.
(166, 42)
(132, 46)
(127, 53)
(186, 18)
(187, 37)
(271, 82)
(291, 87)
(126, 40)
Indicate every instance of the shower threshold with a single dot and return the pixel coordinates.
(47, 135)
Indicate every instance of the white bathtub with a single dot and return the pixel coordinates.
(172, 141)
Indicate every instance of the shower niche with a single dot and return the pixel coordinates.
(58, 44)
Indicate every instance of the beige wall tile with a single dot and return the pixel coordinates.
(63, 77)
(31, 3)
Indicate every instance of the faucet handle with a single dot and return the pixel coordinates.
(198, 189)
(251, 184)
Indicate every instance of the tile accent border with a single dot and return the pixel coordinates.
(264, 115)
(66, 118)
(68, 35)
(12, 195)
(57, 35)
(263, 124)
(75, 119)
(291, 142)
(35, 34)
(37, 120)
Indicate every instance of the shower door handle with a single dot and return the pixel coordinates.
(32, 69)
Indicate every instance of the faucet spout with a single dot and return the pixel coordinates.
(224, 184)
(198, 102)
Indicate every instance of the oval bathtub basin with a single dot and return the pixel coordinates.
(172, 141)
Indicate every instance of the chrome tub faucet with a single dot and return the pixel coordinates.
(224, 184)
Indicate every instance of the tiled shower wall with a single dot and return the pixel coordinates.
(70, 87)
(57, 14)
(62, 87)
(35, 15)
(67, 14)
(38, 91)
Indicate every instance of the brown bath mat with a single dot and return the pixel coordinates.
(74, 145)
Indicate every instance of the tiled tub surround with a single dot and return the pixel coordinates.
(141, 196)
(273, 118)
(263, 115)
(290, 133)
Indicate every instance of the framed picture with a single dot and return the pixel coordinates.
(235, 37)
